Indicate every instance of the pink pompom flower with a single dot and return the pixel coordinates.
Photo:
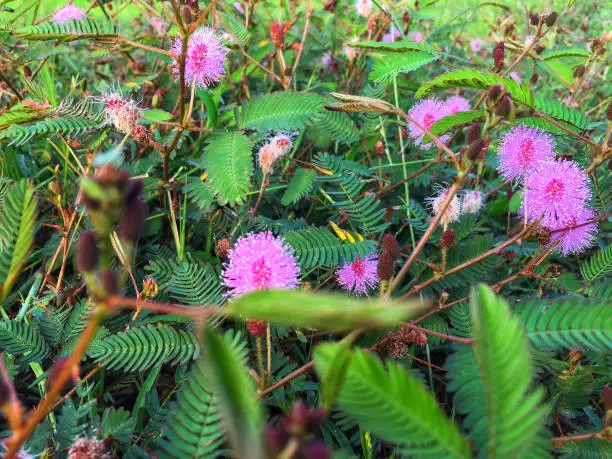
(452, 212)
(575, 232)
(426, 113)
(359, 276)
(522, 149)
(457, 104)
(417, 37)
(281, 144)
(475, 44)
(206, 55)
(68, 13)
(555, 191)
(515, 76)
(391, 36)
(260, 261)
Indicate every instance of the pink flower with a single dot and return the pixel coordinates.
(452, 212)
(364, 7)
(88, 447)
(555, 191)
(457, 104)
(121, 112)
(515, 76)
(417, 37)
(266, 158)
(426, 113)
(205, 62)
(260, 261)
(327, 60)
(281, 144)
(575, 232)
(68, 13)
(475, 44)
(472, 202)
(391, 36)
(522, 149)
(360, 275)
(239, 7)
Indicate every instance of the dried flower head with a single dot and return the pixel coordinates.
(364, 7)
(205, 60)
(522, 149)
(472, 202)
(266, 157)
(68, 13)
(88, 448)
(360, 275)
(281, 144)
(457, 104)
(121, 112)
(556, 191)
(575, 232)
(260, 261)
(426, 113)
(452, 212)
(223, 247)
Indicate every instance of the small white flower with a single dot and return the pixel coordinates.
(452, 212)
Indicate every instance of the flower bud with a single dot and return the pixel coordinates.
(223, 247)
(534, 19)
(447, 238)
(503, 106)
(385, 266)
(257, 328)
(406, 17)
(544, 235)
(390, 245)
(316, 418)
(318, 450)
(609, 112)
(498, 56)
(473, 133)
(277, 34)
(87, 252)
(109, 282)
(579, 72)
(150, 288)
(132, 221)
(494, 92)
(551, 19)
(299, 414)
(187, 16)
(134, 187)
(473, 150)
(109, 175)
(539, 48)
(276, 440)
(534, 78)
(142, 135)
(379, 148)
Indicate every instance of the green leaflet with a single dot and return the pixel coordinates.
(299, 186)
(598, 265)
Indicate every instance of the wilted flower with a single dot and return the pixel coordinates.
(119, 111)
(86, 448)
(522, 149)
(266, 157)
(68, 13)
(475, 44)
(205, 61)
(364, 7)
(575, 232)
(457, 104)
(360, 275)
(556, 191)
(281, 144)
(426, 113)
(472, 202)
(260, 261)
(452, 212)
(417, 37)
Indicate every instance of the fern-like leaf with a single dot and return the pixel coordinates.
(17, 228)
(195, 283)
(23, 340)
(391, 65)
(567, 324)
(105, 32)
(138, 349)
(598, 265)
(229, 164)
(389, 402)
(492, 380)
(299, 186)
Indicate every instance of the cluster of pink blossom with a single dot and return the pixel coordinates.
(68, 13)
(359, 276)
(260, 261)
(466, 202)
(205, 58)
(428, 111)
(556, 192)
(273, 150)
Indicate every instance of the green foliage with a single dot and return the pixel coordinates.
(452, 121)
(229, 164)
(17, 228)
(329, 312)
(319, 247)
(567, 324)
(492, 381)
(598, 265)
(193, 282)
(139, 349)
(389, 402)
(86, 29)
(391, 65)
(23, 340)
(299, 186)
(236, 29)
